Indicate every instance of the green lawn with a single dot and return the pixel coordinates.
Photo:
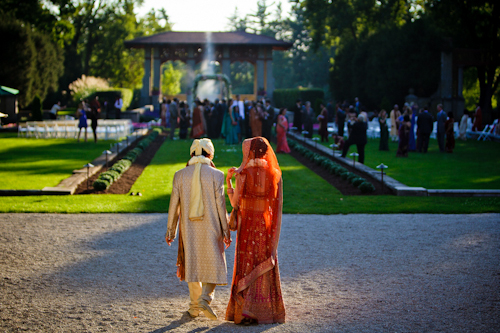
(28, 163)
(304, 191)
(472, 165)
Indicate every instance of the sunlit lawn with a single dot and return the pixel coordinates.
(304, 191)
(472, 165)
(29, 163)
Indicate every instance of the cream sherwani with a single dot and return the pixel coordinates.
(205, 260)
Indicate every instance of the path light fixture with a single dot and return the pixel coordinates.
(106, 152)
(353, 158)
(304, 133)
(88, 166)
(316, 142)
(382, 166)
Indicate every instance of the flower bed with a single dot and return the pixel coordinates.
(332, 167)
(105, 179)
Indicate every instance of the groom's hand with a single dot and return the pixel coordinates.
(227, 242)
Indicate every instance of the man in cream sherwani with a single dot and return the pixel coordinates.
(198, 209)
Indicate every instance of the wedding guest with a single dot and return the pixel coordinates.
(441, 119)
(183, 120)
(281, 130)
(425, 125)
(297, 115)
(450, 133)
(323, 123)
(384, 131)
(463, 125)
(256, 120)
(478, 119)
(404, 137)
(394, 115)
(308, 120)
(357, 137)
(81, 113)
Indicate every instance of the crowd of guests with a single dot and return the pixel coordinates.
(233, 119)
(401, 127)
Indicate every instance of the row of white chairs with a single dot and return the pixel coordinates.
(107, 129)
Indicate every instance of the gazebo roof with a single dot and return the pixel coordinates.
(200, 38)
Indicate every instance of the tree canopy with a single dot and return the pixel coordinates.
(49, 44)
(380, 50)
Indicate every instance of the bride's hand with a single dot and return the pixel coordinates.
(230, 173)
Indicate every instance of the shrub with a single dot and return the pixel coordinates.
(110, 174)
(106, 177)
(101, 184)
(36, 109)
(340, 170)
(366, 187)
(357, 181)
(351, 177)
(86, 86)
(344, 175)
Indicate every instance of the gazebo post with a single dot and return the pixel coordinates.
(146, 79)
(156, 78)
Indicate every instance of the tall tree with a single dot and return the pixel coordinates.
(31, 59)
(473, 25)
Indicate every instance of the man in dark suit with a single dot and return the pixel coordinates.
(441, 119)
(358, 138)
(425, 123)
(341, 115)
(297, 115)
(267, 122)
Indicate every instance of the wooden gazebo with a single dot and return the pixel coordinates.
(189, 47)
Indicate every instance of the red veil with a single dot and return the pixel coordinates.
(256, 286)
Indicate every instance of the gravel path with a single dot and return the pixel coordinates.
(340, 273)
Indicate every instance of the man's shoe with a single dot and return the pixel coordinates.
(193, 312)
(207, 310)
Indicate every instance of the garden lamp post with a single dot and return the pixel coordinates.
(106, 152)
(316, 142)
(353, 158)
(304, 133)
(382, 166)
(88, 166)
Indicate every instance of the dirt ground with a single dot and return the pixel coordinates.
(340, 273)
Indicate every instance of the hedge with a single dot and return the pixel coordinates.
(332, 167)
(286, 98)
(105, 179)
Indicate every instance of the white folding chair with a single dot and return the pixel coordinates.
(22, 130)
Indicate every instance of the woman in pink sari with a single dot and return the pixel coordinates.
(281, 129)
(257, 201)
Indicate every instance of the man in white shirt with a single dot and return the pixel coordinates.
(118, 107)
(55, 108)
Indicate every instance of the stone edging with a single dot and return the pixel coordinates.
(399, 188)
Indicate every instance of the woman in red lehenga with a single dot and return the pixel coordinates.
(258, 199)
(281, 129)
